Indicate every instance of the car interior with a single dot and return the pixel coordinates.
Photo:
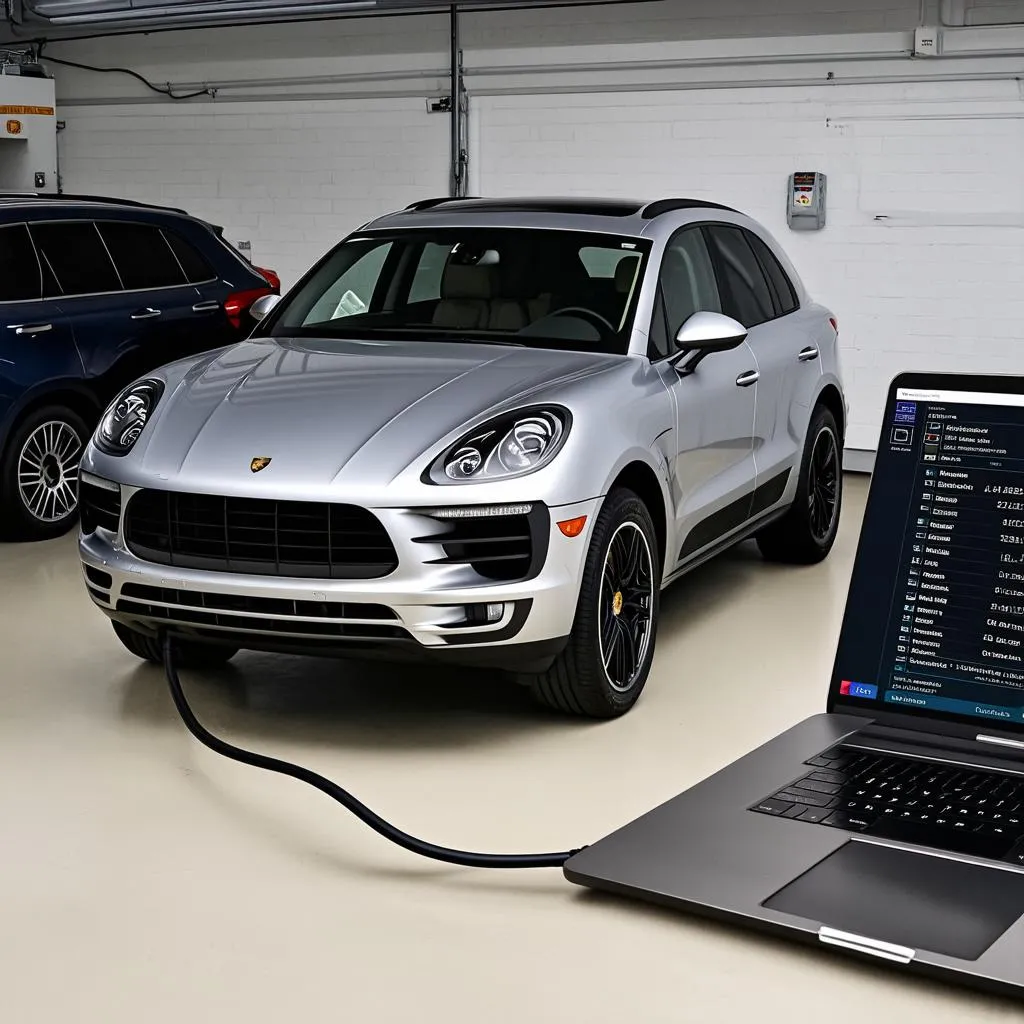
(578, 295)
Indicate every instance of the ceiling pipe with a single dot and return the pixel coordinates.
(56, 19)
(805, 82)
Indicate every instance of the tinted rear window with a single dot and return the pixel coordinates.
(142, 256)
(192, 261)
(748, 297)
(19, 269)
(77, 258)
(784, 291)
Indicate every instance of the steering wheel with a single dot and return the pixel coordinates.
(586, 314)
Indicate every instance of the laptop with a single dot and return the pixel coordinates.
(891, 825)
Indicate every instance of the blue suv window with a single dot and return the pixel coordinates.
(142, 256)
(192, 261)
(19, 268)
(76, 258)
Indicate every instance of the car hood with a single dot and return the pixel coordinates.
(364, 410)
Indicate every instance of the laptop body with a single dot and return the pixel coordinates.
(892, 824)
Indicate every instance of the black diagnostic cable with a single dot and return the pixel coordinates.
(162, 90)
(346, 799)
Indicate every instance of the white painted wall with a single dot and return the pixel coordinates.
(938, 284)
(290, 179)
(28, 134)
(317, 127)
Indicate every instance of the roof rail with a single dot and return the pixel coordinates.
(427, 204)
(660, 206)
(74, 198)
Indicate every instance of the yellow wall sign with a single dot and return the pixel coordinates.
(13, 127)
(17, 108)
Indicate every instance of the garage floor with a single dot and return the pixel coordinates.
(144, 879)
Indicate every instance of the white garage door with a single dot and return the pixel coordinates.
(291, 178)
(921, 258)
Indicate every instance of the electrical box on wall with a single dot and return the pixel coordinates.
(28, 134)
(806, 201)
(927, 41)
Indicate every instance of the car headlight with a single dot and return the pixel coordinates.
(127, 415)
(507, 446)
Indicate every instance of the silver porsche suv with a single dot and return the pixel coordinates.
(481, 431)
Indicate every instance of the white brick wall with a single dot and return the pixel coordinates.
(291, 180)
(935, 285)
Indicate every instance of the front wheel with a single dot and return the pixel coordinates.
(806, 533)
(39, 473)
(607, 660)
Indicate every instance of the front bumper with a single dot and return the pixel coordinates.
(424, 608)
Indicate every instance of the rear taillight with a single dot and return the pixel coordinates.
(271, 278)
(835, 324)
(237, 304)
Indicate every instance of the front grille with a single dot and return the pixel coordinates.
(273, 606)
(501, 548)
(99, 578)
(256, 535)
(98, 506)
(266, 623)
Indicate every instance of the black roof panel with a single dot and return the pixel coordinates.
(580, 205)
(660, 206)
(595, 207)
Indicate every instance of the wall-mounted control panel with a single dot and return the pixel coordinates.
(805, 210)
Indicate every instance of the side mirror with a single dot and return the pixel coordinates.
(263, 305)
(703, 334)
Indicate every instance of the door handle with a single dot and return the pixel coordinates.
(145, 314)
(206, 307)
(805, 355)
(744, 380)
(30, 328)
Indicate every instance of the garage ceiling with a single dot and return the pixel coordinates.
(56, 19)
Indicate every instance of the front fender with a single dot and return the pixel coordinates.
(57, 391)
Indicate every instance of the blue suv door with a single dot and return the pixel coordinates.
(126, 295)
(42, 432)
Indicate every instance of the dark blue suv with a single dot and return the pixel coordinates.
(95, 293)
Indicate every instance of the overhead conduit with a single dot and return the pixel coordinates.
(68, 19)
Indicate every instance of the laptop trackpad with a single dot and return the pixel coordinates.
(924, 902)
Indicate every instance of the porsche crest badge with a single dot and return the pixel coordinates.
(260, 462)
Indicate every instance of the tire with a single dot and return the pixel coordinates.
(39, 473)
(190, 654)
(806, 533)
(578, 681)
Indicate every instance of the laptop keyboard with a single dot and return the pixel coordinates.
(928, 803)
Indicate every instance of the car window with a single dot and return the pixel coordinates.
(426, 282)
(76, 260)
(19, 268)
(745, 289)
(542, 288)
(785, 293)
(687, 284)
(602, 262)
(192, 261)
(142, 256)
(352, 288)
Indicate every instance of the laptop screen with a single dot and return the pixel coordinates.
(934, 621)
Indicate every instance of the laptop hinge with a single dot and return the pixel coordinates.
(862, 944)
(1000, 741)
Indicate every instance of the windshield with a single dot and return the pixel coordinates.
(537, 288)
